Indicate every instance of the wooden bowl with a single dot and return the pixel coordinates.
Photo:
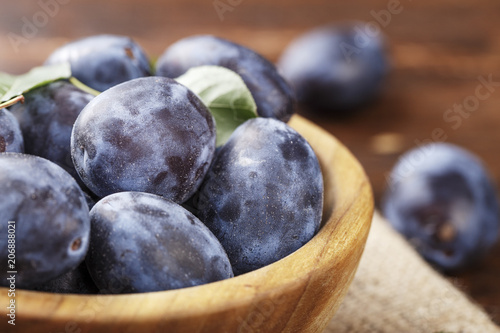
(299, 293)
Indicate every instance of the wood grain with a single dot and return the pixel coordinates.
(299, 293)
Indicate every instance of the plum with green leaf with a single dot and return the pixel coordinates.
(225, 94)
(46, 118)
(272, 94)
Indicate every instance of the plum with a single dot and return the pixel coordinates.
(141, 242)
(103, 61)
(50, 218)
(272, 94)
(442, 199)
(148, 135)
(335, 69)
(46, 118)
(263, 194)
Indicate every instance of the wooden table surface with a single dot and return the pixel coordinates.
(439, 49)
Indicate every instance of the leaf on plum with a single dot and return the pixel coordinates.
(225, 94)
(12, 87)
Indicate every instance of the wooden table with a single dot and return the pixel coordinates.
(438, 51)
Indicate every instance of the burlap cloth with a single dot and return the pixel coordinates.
(394, 290)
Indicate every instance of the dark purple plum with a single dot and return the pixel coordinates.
(273, 96)
(142, 242)
(103, 61)
(11, 137)
(47, 117)
(263, 194)
(51, 219)
(148, 135)
(335, 69)
(441, 198)
(76, 281)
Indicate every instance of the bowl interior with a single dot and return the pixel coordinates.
(301, 292)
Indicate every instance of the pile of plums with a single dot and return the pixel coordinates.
(126, 191)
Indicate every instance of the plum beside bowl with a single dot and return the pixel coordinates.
(299, 293)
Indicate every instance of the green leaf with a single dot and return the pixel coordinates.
(12, 87)
(225, 94)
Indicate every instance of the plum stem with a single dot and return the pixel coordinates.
(12, 101)
(77, 83)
